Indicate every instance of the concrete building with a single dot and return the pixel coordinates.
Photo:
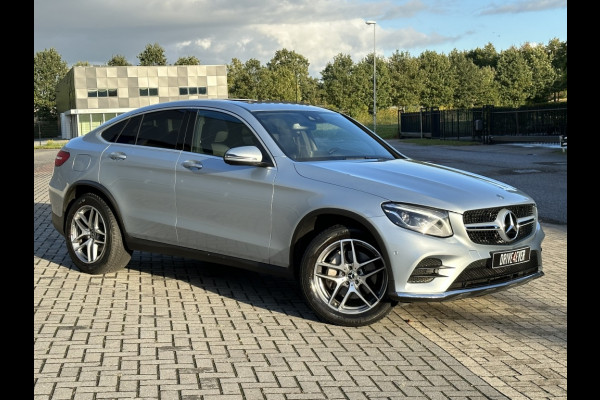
(89, 96)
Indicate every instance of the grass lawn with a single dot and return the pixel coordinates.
(51, 144)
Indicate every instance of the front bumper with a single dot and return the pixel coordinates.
(426, 268)
(462, 293)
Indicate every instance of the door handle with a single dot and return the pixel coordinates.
(192, 165)
(118, 155)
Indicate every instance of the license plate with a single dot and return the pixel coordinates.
(508, 258)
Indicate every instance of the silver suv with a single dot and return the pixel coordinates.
(296, 190)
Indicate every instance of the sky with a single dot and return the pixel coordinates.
(216, 31)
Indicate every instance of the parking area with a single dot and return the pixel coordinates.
(173, 328)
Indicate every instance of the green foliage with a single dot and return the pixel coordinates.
(244, 79)
(191, 60)
(514, 77)
(287, 74)
(82, 64)
(543, 74)
(382, 82)
(118, 60)
(153, 54)
(558, 53)
(51, 144)
(474, 86)
(439, 84)
(48, 69)
(486, 57)
(341, 85)
(511, 78)
(406, 82)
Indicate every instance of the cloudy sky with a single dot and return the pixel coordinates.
(216, 31)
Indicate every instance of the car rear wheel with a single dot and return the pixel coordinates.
(94, 238)
(344, 278)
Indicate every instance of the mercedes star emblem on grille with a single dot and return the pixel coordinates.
(509, 225)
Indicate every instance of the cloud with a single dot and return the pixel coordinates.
(216, 31)
(524, 6)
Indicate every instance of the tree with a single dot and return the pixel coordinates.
(340, 85)
(405, 81)
(118, 60)
(82, 64)
(288, 74)
(514, 78)
(543, 74)
(191, 60)
(312, 91)
(243, 80)
(474, 86)
(438, 85)
(382, 82)
(153, 54)
(558, 50)
(48, 69)
(486, 57)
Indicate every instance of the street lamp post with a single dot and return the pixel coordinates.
(374, 85)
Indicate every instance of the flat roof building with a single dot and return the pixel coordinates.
(89, 96)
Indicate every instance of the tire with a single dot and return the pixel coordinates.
(344, 279)
(93, 236)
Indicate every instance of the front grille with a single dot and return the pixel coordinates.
(493, 237)
(490, 214)
(480, 273)
(483, 228)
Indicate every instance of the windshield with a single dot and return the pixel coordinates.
(321, 135)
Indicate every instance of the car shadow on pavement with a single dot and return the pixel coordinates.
(278, 295)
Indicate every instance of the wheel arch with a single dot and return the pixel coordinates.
(318, 220)
(83, 187)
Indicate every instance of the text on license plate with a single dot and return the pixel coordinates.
(508, 258)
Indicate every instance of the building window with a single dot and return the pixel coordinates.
(102, 93)
(148, 91)
(192, 90)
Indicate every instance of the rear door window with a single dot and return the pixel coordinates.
(161, 128)
(129, 133)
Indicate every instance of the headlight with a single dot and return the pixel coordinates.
(427, 221)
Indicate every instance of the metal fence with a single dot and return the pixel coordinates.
(487, 124)
(45, 129)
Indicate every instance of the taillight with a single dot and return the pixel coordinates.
(61, 158)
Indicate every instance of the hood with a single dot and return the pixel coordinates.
(416, 182)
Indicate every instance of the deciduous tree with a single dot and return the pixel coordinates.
(514, 78)
(543, 74)
(48, 69)
(153, 54)
(438, 84)
(405, 81)
(118, 60)
(474, 86)
(191, 60)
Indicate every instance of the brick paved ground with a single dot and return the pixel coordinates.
(172, 328)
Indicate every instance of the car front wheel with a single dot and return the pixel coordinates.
(93, 236)
(344, 278)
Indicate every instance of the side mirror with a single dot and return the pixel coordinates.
(244, 155)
